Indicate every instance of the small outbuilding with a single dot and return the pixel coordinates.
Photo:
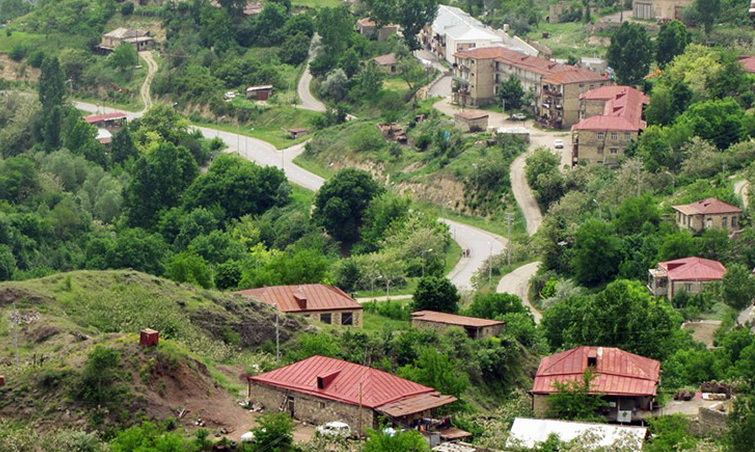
(475, 327)
(261, 92)
(527, 433)
(471, 120)
(149, 337)
(296, 132)
(140, 39)
(387, 63)
(104, 137)
(369, 29)
(110, 121)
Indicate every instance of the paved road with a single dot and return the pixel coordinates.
(144, 91)
(308, 100)
(518, 283)
(742, 189)
(481, 245)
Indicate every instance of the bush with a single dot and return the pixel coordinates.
(395, 310)
(127, 9)
(98, 384)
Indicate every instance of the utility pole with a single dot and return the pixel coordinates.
(277, 339)
(509, 224)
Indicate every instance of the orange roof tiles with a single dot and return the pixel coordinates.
(693, 269)
(91, 119)
(622, 110)
(304, 298)
(708, 206)
(748, 63)
(350, 383)
(616, 372)
(453, 319)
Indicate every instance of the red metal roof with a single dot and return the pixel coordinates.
(622, 110)
(709, 206)
(304, 298)
(91, 119)
(616, 372)
(748, 63)
(351, 383)
(693, 269)
(453, 319)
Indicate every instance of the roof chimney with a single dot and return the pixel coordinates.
(301, 299)
(592, 357)
(326, 379)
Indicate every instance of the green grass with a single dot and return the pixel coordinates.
(375, 323)
(7, 43)
(566, 39)
(317, 3)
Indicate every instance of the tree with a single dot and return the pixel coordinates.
(511, 92)
(123, 147)
(436, 294)
(335, 27)
(274, 433)
(341, 202)
(51, 84)
(295, 49)
(381, 441)
(738, 286)
(160, 178)
(98, 381)
(707, 12)
(672, 39)
(596, 254)
(137, 249)
(413, 15)
(124, 58)
(188, 267)
(630, 53)
(7, 263)
(336, 85)
(436, 370)
(380, 214)
(19, 179)
(741, 424)
(493, 305)
(573, 401)
(412, 72)
(722, 122)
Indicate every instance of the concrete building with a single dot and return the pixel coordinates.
(476, 328)
(367, 28)
(140, 39)
(321, 389)
(387, 63)
(659, 9)
(557, 87)
(611, 117)
(327, 304)
(529, 433)
(709, 213)
(454, 30)
(628, 382)
(471, 120)
(689, 274)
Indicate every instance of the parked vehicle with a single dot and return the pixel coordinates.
(558, 144)
(518, 117)
(334, 428)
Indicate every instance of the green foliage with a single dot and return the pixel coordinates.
(672, 39)
(596, 253)
(18, 179)
(573, 401)
(630, 53)
(494, 305)
(275, 432)
(382, 212)
(124, 57)
(411, 15)
(435, 294)
(544, 177)
(436, 370)
(707, 11)
(670, 433)
(722, 122)
(410, 440)
(511, 92)
(7, 263)
(188, 267)
(150, 437)
(99, 380)
(741, 425)
(738, 286)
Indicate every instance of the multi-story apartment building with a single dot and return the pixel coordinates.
(611, 117)
(557, 87)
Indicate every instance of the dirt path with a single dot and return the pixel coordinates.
(144, 91)
(742, 189)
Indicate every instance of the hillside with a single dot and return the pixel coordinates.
(205, 341)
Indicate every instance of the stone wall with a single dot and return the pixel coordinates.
(710, 421)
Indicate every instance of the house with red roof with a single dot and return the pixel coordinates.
(328, 304)
(480, 72)
(110, 121)
(321, 389)
(611, 117)
(689, 274)
(628, 382)
(475, 328)
(706, 214)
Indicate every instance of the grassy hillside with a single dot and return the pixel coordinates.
(49, 328)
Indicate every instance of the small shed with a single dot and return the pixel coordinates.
(471, 120)
(149, 337)
(387, 63)
(296, 132)
(109, 121)
(475, 327)
(261, 92)
(104, 137)
(369, 29)
(522, 133)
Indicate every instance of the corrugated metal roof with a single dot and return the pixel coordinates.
(453, 319)
(91, 119)
(416, 404)
(748, 63)
(319, 297)
(706, 207)
(622, 109)
(527, 432)
(693, 269)
(616, 372)
(352, 383)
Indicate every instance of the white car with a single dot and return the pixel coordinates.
(334, 428)
(229, 95)
(558, 144)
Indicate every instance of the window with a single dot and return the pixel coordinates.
(734, 221)
(322, 405)
(724, 221)
(347, 318)
(687, 287)
(326, 318)
(627, 136)
(614, 151)
(614, 136)
(601, 135)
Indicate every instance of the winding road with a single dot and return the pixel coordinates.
(151, 71)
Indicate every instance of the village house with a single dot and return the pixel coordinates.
(611, 117)
(659, 9)
(328, 304)
(475, 328)
(709, 213)
(471, 120)
(260, 92)
(110, 121)
(529, 433)
(689, 274)
(296, 132)
(321, 389)
(627, 382)
(454, 30)
(140, 39)
(387, 63)
(557, 87)
(367, 28)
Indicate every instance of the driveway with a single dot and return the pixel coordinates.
(518, 283)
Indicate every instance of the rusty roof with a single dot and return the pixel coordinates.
(453, 319)
(693, 269)
(708, 206)
(616, 372)
(91, 119)
(304, 298)
(622, 109)
(748, 63)
(353, 384)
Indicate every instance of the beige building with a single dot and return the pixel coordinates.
(611, 117)
(140, 39)
(689, 274)
(387, 63)
(475, 328)
(557, 87)
(659, 9)
(367, 28)
(328, 304)
(471, 120)
(709, 213)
